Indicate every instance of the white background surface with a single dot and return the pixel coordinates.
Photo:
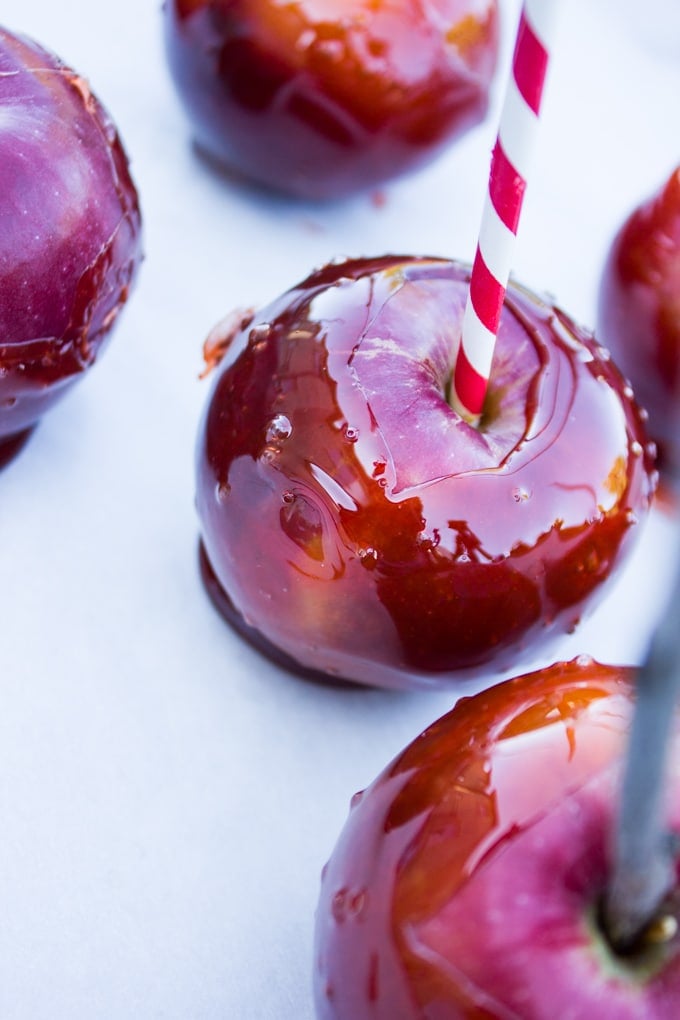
(167, 798)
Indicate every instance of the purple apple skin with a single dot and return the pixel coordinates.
(329, 97)
(354, 526)
(639, 313)
(69, 233)
(466, 881)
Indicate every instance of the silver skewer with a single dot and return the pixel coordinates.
(644, 852)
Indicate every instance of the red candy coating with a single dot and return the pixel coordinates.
(321, 98)
(466, 881)
(639, 312)
(354, 525)
(70, 237)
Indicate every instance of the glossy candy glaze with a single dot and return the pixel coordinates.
(320, 98)
(353, 522)
(466, 880)
(69, 232)
(639, 312)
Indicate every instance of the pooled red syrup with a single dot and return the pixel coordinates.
(354, 524)
(9, 448)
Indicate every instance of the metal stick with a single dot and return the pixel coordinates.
(644, 856)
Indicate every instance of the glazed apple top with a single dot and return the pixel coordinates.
(362, 526)
(70, 239)
(639, 311)
(466, 880)
(324, 97)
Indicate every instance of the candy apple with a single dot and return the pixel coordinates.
(327, 97)
(355, 526)
(639, 313)
(469, 877)
(69, 232)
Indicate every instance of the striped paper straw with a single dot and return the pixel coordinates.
(502, 207)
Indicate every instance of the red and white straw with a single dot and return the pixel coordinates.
(500, 217)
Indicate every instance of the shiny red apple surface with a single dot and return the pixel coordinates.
(69, 232)
(354, 526)
(639, 312)
(321, 98)
(467, 880)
